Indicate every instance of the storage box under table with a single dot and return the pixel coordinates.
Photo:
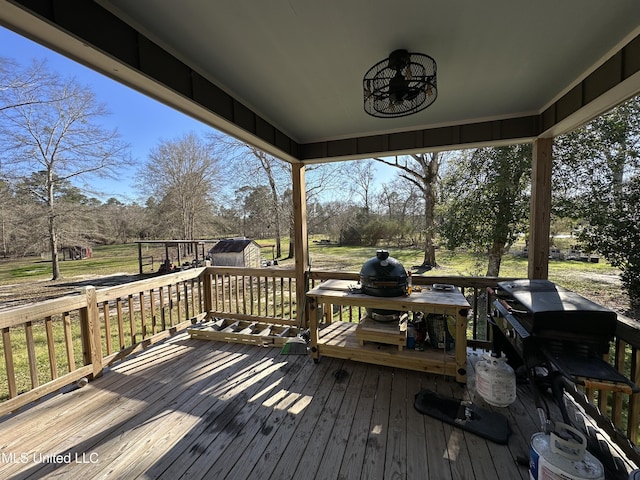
(388, 333)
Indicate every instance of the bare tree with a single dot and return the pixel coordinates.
(180, 174)
(19, 86)
(7, 216)
(52, 128)
(362, 173)
(422, 171)
(251, 167)
(270, 167)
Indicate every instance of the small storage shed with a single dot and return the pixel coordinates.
(235, 253)
(76, 252)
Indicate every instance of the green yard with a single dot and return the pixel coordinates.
(594, 280)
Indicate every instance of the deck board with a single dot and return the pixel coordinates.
(189, 408)
(333, 453)
(353, 457)
(375, 449)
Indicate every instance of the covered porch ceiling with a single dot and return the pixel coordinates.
(286, 75)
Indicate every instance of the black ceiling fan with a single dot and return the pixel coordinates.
(402, 84)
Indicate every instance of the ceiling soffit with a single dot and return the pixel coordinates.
(90, 34)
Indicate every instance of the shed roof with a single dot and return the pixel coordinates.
(232, 246)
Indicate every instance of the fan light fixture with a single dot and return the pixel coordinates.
(403, 84)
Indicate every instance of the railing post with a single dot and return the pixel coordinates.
(90, 329)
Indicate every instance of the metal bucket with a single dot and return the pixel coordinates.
(554, 457)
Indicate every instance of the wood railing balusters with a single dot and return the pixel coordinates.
(222, 291)
(120, 315)
(282, 297)
(216, 291)
(236, 293)
(208, 294)
(107, 327)
(152, 311)
(276, 293)
(178, 303)
(251, 295)
(269, 297)
(170, 304)
(187, 303)
(31, 354)
(143, 315)
(132, 319)
(51, 347)
(259, 291)
(161, 306)
(194, 309)
(68, 341)
(266, 297)
(8, 362)
(202, 301)
(290, 297)
(244, 294)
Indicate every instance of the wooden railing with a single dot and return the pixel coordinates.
(52, 344)
(616, 412)
(258, 294)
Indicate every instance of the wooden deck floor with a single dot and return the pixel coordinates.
(200, 409)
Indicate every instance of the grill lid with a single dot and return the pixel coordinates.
(383, 276)
(552, 307)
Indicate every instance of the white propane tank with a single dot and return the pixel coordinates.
(562, 455)
(495, 381)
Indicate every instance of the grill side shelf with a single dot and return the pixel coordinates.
(515, 323)
(591, 372)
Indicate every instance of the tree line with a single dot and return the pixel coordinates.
(192, 187)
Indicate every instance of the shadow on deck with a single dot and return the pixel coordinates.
(202, 409)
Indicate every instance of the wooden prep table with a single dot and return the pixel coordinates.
(338, 339)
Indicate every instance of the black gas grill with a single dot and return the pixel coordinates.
(537, 323)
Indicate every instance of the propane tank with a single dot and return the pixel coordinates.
(562, 454)
(495, 381)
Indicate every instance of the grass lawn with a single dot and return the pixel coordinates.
(599, 280)
(106, 260)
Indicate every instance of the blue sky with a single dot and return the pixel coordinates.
(141, 121)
